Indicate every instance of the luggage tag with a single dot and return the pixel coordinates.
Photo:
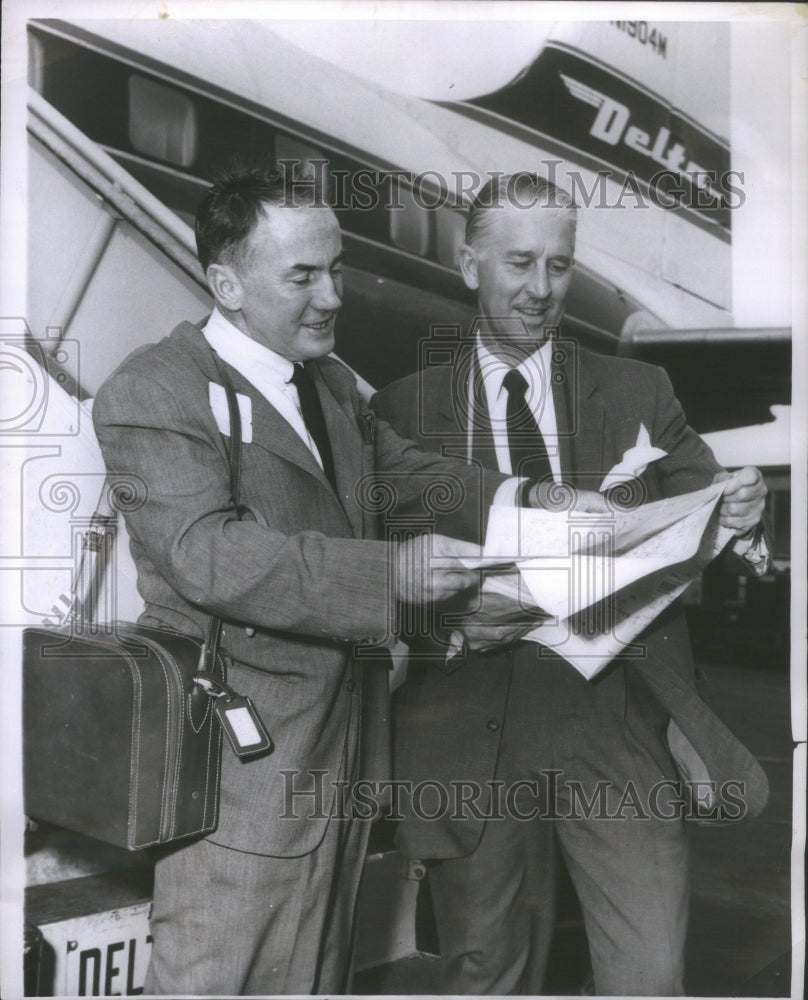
(243, 726)
(238, 717)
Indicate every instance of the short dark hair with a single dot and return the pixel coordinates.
(232, 208)
(524, 190)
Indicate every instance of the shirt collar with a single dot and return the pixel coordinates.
(247, 356)
(535, 368)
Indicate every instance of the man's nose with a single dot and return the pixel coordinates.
(538, 282)
(329, 293)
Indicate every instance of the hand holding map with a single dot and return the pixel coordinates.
(601, 577)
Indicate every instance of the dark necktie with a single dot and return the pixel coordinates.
(525, 442)
(313, 418)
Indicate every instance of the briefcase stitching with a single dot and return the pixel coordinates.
(189, 701)
(215, 737)
(170, 787)
(137, 691)
(137, 696)
(173, 785)
(133, 770)
(171, 790)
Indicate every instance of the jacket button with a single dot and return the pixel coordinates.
(250, 631)
(350, 686)
(492, 725)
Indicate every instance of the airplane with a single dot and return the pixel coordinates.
(129, 119)
(608, 138)
(631, 117)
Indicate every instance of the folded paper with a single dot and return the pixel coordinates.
(634, 462)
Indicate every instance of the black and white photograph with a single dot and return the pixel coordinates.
(405, 458)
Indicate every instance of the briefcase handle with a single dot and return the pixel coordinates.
(97, 540)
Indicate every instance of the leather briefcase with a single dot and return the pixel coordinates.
(119, 742)
(122, 723)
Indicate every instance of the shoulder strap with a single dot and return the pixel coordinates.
(209, 659)
(234, 444)
(83, 595)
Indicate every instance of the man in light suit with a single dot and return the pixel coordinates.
(265, 904)
(520, 714)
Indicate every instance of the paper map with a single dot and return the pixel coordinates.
(602, 578)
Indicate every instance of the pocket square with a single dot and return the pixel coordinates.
(221, 412)
(634, 462)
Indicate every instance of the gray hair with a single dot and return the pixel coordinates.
(524, 190)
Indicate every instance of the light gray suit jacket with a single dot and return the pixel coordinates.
(298, 587)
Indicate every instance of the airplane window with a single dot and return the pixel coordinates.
(36, 63)
(162, 122)
(451, 233)
(409, 226)
(312, 162)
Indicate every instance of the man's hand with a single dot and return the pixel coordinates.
(561, 497)
(591, 502)
(428, 568)
(495, 620)
(744, 499)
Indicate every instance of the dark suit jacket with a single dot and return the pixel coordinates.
(308, 575)
(444, 729)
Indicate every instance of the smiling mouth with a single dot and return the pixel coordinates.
(320, 327)
(536, 311)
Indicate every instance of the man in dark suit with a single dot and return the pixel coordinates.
(587, 764)
(264, 905)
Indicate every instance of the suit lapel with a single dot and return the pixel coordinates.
(483, 447)
(271, 431)
(346, 441)
(580, 417)
(453, 408)
(450, 408)
(449, 393)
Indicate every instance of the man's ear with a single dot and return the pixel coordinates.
(226, 286)
(467, 259)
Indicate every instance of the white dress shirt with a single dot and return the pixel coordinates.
(263, 368)
(536, 370)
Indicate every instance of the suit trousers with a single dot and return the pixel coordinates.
(228, 923)
(584, 763)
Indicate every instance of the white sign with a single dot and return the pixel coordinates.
(102, 954)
